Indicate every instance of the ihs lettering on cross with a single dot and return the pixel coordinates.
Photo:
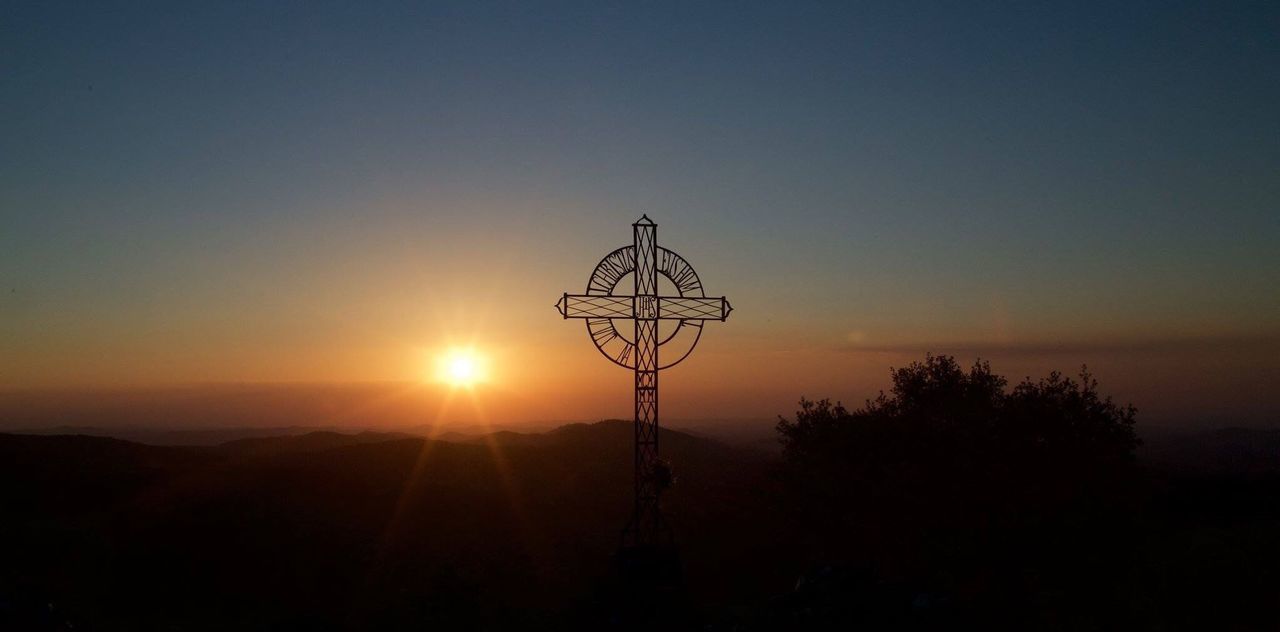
(636, 347)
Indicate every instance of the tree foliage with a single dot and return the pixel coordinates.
(954, 464)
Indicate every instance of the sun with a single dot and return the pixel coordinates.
(461, 368)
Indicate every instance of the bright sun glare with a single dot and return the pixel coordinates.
(461, 367)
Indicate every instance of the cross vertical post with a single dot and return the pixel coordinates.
(645, 527)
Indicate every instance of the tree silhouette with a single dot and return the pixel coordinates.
(952, 475)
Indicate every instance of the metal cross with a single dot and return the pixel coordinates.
(641, 312)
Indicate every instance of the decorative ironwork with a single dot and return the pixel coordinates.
(602, 307)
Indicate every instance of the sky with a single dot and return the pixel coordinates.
(278, 193)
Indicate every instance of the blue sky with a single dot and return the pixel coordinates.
(186, 188)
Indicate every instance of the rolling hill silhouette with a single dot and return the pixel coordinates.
(327, 529)
(385, 531)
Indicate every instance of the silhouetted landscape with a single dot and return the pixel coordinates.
(920, 511)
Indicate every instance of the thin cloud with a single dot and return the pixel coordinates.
(1127, 346)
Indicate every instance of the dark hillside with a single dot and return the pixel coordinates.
(327, 529)
(372, 531)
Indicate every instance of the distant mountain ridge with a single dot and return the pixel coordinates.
(218, 436)
(754, 434)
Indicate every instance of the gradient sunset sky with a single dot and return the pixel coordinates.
(314, 192)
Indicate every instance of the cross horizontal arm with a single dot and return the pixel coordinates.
(687, 308)
(590, 306)
(669, 307)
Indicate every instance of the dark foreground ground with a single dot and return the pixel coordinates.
(378, 531)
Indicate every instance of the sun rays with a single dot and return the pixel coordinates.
(462, 378)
